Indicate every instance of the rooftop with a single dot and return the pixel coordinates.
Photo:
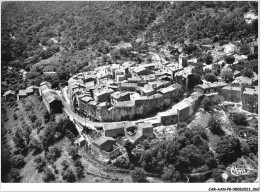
(9, 92)
(22, 92)
(102, 140)
(113, 126)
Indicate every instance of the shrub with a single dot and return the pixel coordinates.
(138, 175)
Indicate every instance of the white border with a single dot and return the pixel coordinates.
(125, 187)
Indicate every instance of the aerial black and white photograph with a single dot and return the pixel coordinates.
(129, 92)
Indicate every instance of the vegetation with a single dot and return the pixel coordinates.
(210, 77)
(48, 175)
(138, 175)
(208, 103)
(238, 118)
(228, 149)
(226, 74)
(69, 176)
(215, 125)
(247, 72)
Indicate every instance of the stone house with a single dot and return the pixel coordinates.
(51, 101)
(102, 95)
(106, 146)
(168, 117)
(146, 129)
(231, 93)
(207, 88)
(9, 94)
(22, 94)
(119, 96)
(113, 130)
(250, 100)
(146, 91)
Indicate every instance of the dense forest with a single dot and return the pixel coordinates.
(86, 23)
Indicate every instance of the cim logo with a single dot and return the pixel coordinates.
(239, 170)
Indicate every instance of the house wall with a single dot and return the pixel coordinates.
(232, 95)
(183, 114)
(56, 106)
(147, 132)
(170, 119)
(114, 132)
(250, 103)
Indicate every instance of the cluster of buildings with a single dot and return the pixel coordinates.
(21, 94)
(242, 89)
(128, 91)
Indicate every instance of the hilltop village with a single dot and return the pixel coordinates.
(160, 100)
(134, 102)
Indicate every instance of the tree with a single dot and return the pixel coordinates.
(254, 65)
(46, 117)
(78, 163)
(129, 146)
(215, 125)
(253, 144)
(65, 164)
(246, 72)
(217, 175)
(210, 77)
(48, 175)
(228, 149)
(227, 74)
(244, 50)
(170, 174)
(68, 175)
(211, 163)
(230, 59)
(73, 152)
(80, 172)
(15, 175)
(35, 144)
(245, 148)
(206, 103)
(208, 59)
(207, 70)
(18, 161)
(238, 118)
(54, 153)
(40, 163)
(138, 175)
